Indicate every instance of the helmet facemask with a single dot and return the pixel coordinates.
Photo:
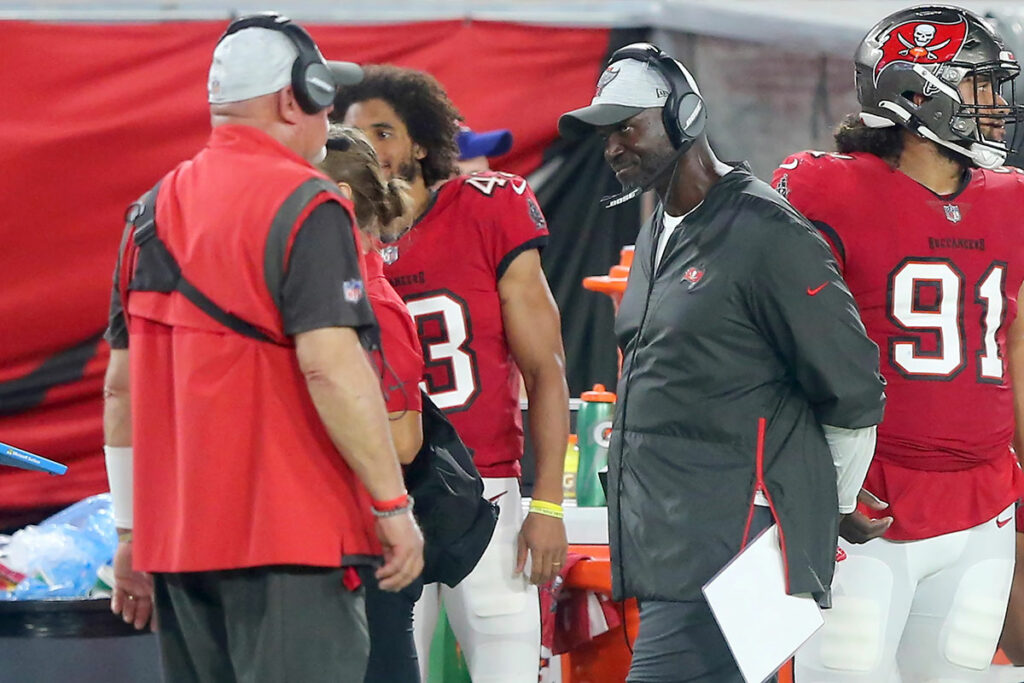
(989, 105)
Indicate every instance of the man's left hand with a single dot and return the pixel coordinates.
(133, 590)
(856, 527)
(543, 537)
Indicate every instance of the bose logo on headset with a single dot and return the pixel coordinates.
(312, 80)
(684, 114)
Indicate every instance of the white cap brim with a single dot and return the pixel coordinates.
(582, 121)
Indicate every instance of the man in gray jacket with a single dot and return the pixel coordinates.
(749, 391)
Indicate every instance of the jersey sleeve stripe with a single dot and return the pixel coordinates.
(506, 261)
(834, 240)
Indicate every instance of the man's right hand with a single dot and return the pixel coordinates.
(856, 527)
(403, 551)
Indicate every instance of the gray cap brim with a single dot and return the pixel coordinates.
(345, 73)
(580, 122)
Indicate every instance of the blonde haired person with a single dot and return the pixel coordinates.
(383, 207)
(383, 210)
(470, 271)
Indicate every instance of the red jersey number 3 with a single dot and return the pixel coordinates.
(443, 325)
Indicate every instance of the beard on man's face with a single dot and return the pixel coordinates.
(962, 160)
(409, 170)
(651, 168)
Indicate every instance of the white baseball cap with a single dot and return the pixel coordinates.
(625, 89)
(258, 61)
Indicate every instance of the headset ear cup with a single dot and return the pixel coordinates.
(312, 82)
(670, 119)
(319, 85)
(313, 85)
(301, 87)
(690, 116)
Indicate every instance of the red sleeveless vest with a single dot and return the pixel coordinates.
(233, 467)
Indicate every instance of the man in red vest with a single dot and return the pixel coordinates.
(251, 428)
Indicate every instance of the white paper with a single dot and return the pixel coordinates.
(762, 624)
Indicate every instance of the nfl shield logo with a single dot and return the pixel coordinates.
(389, 254)
(952, 213)
(353, 290)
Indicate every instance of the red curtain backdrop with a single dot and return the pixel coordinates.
(94, 114)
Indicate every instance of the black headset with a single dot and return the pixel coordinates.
(684, 113)
(312, 82)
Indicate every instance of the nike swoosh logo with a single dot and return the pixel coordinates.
(812, 292)
(790, 165)
(1003, 522)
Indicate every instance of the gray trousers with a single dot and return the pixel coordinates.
(280, 624)
(680, 641)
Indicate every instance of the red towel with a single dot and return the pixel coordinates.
(571, 616)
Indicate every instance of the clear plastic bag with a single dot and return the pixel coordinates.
(61, 555)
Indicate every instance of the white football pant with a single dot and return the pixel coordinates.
(915, 611)
(494, 613)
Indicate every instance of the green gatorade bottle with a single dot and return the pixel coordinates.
(593, 425)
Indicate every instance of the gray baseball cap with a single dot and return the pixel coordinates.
(625, 89)
(258, 61)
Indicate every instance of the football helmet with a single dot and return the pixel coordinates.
(943, 73)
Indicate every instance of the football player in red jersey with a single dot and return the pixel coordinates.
(923, 221)
(469, 271)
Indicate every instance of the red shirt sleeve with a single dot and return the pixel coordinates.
(511, 219)
(812, 181)
(400, 364)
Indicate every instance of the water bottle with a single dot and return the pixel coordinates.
(572, 460)
(593, 425)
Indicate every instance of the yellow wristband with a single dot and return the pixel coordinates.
(542, 507)
(124, 537)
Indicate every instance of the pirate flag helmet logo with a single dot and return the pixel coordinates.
(928, 43)
(943, 73)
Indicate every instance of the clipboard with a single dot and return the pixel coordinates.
(16, 457)
(762, 624)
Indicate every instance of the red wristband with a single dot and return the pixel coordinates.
(393, 504)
